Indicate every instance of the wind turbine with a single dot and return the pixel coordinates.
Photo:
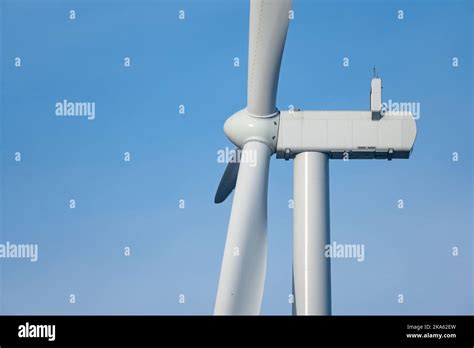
(311, 138)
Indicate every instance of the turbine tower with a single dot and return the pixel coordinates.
(310, 138)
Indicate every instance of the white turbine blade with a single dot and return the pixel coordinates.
(243, 268)
(267, 34)
(229, 179)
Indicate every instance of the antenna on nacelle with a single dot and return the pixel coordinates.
(376, 74)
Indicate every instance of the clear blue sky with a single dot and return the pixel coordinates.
(178, 251)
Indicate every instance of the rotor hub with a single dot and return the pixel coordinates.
(243, 127)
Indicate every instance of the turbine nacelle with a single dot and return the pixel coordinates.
(371, 134)
(346, 134)
(340, 134)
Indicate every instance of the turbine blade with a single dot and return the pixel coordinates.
(243, 268)
(267, 34)
(228, 180)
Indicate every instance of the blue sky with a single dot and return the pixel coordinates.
(178, 251)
